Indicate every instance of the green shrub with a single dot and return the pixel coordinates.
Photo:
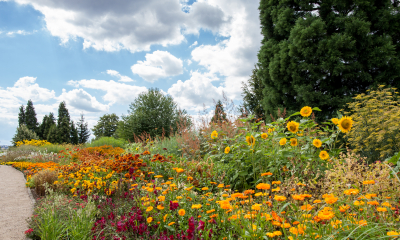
(376, 128)
(23, 133)
(107, 141)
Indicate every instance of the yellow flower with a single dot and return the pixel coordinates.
(277, 233)
(293, 126)
(345, 124)
(227, 150)
(305, 111)
(381, 209)
(160, 207)
(279, 198)
(282, 141)
(182, 212)
(179, 170)
(214, 134)
(393, 233)
(270, 130)
(270, 234)
(165, 217)
(149, 209)
(149, 219)
(250, 140)
(331, 200)
(323, 155)
(276, 182)
(293, 142)
(276, 189)
(351, 191)
(158, 176)
(317, 143)
(161, 198)
(263, 186)
(264, 135)
(368, 182)
(335, 121)
(204, 188)
(196, 206)
(171, 223)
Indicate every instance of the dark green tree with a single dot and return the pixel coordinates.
(322, 53)
(151, 112)
(24, 133)
(253, 96)
(63, 124)
(41, 128)
(50, 121)
(30, 117)
(219, 113)
(83, 130)
(21, 115)
(52, 135)
(106, 126)
(74, 134)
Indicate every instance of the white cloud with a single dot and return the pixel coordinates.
(192, 94)
(18, 32)
(81, 100)
(121, 77)
(189, 61)
(26, 88)
(194, 44)
(132, 25)
(115, 92)
(159, 64)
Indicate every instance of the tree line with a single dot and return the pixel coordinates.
(60, 130)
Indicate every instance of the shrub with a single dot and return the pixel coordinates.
(376, 129)
(42, 177)
(107, 141)
(23, 133)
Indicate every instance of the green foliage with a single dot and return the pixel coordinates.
(376, 117)
(253, 96)
(219, 113)
(74, 134)
(52, 136)
(322, 54)
(30, 117)
(63, 130)
(151, 112)
(44, 127)
(106, 126)
(21, 115)
(83, 130)
(107, 141)
(23, 133)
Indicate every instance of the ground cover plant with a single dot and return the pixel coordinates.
(138, 193)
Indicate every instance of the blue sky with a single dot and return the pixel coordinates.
(98, 55)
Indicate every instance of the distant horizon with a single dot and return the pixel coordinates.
(98, 59)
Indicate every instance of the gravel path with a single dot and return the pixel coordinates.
(16, 205)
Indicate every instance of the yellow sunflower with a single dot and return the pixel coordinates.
(250, 140)
(335, 121)
(282, 141)
(317, 143)
(305, 111)
(293, 142)
(324, 155)
(227, 150)
(264, 135)
(214, 134)
(345, 124)
(293, 126)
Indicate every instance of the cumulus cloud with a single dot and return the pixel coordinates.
(192, 94)
(115, 92)
(81, 100)
(26, 88)
(132, 25)
(121, 77)
(159, 64)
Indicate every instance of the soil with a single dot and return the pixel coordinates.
(16, 204)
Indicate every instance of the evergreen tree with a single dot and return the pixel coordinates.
(253, 96)
(106, 126)
(23, 133)
(322, 53)
(83, 130)
(21, 115)
(30, 117)
(63, 124)
(50, 121)
(74, 134)
(52, 136)
(219, 113)
(41, 128)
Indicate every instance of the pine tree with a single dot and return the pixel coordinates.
(219, 113)
(74, 134)
(52, 136)
(323, 53)
(42, 127)
(50, 121)
(83, 131)
(21, 115)
(63, 124)
(253, 96)
(30, 117)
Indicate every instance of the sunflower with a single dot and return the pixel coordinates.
(345, 124)
(214, 134)
(282, 141)
(264, 135)
(293, 126)
(305, 111)
(335, 121)
(317, 143)
(250, 140)
(293, 142)
(227, 150)
(323, 155)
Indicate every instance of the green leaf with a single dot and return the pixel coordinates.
(317, 109)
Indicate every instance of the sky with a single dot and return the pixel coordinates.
(99, 55)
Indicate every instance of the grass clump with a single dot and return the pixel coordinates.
(107, 141)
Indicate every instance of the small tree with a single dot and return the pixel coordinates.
(30, 117)
(52, 136)
(253, 96)
(41, 128)
(219, 113)
(24, 133)
(83, 130)
(106, 126)
(74, 134)
(21, 115)
(63, 124)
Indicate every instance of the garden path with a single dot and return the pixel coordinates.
(16, 205)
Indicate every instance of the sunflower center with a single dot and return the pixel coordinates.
(346, 124)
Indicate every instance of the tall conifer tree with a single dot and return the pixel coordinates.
(21, 115)
(30, 117)
(83, 130)
(74, 134)
(63, 124)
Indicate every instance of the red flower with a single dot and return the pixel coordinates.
(30, 230)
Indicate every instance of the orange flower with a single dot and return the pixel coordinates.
(351, 191)
(373, 203)
(307, 207)
(181, 212)
(266, 174)
(331, 200)
(263, 186)
(368, 182)
(381, 209)
(279, 198)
